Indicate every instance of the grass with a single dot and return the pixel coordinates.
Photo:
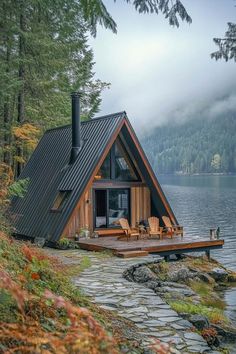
(200, 288)
(210, 305)
(162, 268)
(105, 254)
(208, 296)
(76, 269)
(202, 264)
(41, 311)
(214, 315)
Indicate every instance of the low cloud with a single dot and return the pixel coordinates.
(159, 74)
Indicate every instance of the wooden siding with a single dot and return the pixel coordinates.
(140, 204)
(82, 216)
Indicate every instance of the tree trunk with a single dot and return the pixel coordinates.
(6, 117)
(21, 94)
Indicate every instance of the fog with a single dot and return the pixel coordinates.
(159, 73)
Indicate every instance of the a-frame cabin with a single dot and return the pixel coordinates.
(102, 176)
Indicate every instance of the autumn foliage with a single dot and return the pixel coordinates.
(35, 317)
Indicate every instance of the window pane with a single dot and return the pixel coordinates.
(105, 170)
(61, 199)
(123, 167)
(118, 205)
(101, 208)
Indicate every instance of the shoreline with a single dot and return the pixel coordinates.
(209, 320)
(197, 174)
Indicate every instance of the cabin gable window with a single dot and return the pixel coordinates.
(60, 200)
(105, 169)
(117, 165)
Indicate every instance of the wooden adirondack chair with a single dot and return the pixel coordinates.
(154, 227)
(128, 231)
(174, 229)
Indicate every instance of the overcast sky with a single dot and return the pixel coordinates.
(159, 73)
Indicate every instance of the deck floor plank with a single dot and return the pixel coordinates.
(186, 243)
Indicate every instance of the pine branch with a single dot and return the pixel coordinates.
(226, 46)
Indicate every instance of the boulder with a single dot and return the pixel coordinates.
(128, 274)
(176, 292)
(228, 332)
(219, 274)
(206, 278)
(143, 274)
(182, 274)
(184, 315)
(232, 277)
(199, 321)
(154, 285)
(175, 285)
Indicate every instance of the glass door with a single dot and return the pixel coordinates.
(118, 206)
(111, 205)
(100, 210)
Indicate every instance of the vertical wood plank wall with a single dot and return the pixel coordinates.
(81, 217)
(140, 204)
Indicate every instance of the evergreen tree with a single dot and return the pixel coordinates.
(44, 56)
(94, 12)
(226, 45)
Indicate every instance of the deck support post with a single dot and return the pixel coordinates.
(167, 258)
(208, 254)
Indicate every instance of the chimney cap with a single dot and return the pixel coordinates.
(76, 94)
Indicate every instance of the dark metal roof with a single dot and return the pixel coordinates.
(49, 172)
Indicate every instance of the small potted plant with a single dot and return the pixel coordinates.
(76, 238)
(84, 232)
(63, 243)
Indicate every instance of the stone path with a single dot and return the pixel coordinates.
(104, 283)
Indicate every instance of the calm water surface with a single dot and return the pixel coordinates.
(204, 202)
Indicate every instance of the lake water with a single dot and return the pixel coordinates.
(204, 202)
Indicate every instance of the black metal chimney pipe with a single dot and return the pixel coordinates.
(76, 139)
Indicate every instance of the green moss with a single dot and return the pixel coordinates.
(208, 296)
(214, 315)
(200, 287)
(74, 270)
(105, 254)
(161, 269)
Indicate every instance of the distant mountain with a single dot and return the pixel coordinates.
(196, 146)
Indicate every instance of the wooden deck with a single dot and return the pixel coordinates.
(164, 247)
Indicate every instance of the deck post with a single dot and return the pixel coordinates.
(208, 254)
(167, 258)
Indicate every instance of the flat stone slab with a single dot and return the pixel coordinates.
(162, 313)
(193, 336)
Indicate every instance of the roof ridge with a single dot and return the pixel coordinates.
(107, 116)
(111, 115)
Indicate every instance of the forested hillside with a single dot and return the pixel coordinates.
(196, 146)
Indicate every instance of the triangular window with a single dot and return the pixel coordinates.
(124, 169)
(117, 165)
